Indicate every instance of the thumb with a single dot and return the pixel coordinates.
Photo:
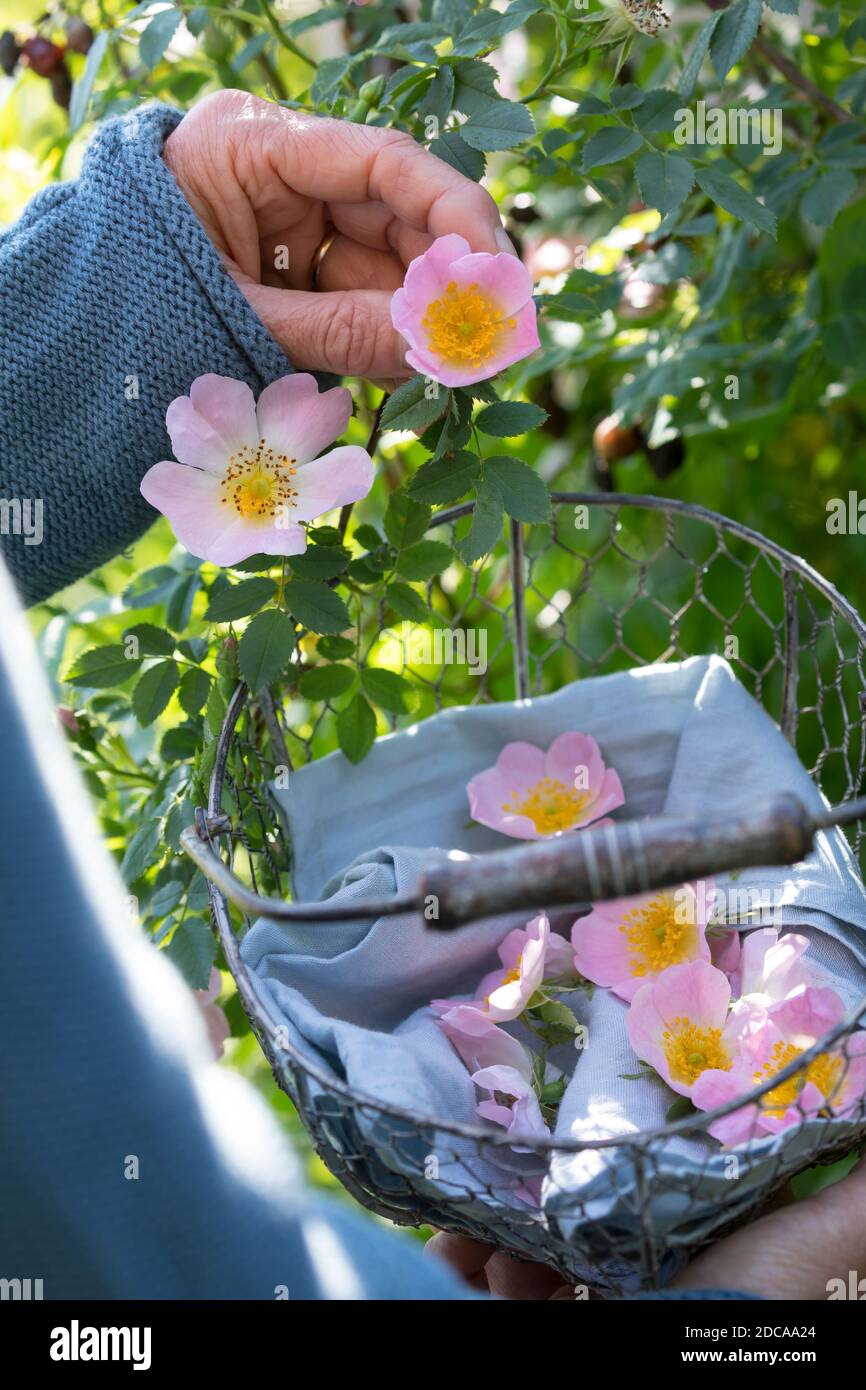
(347, 332)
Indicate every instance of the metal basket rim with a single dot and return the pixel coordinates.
(288, 1057)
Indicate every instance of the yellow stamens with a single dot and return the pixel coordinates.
(464, 326)
(691, 1050)
(655, 936)
(257, 483)
(550, 805)
(825, 1072)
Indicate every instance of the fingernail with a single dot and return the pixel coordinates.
(504, 242)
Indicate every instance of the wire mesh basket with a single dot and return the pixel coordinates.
(611, 582)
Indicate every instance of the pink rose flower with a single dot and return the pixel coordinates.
(248, 475)
(628, 942)
(529, 957)
(217, 1024)
(679, 1024)
(465, 315)
(771, 968)
(834, 1083)
(533, 795)
(514, 1104)
(477, 1039)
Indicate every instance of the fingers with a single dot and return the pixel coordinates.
(345, 332)
(348, 266)
(466, 1257)
(339, 162)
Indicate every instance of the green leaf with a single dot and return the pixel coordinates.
(486, 527)
(692, 69)
(735, 200)
(152, 640)
(406, 520)
(239, 600)
(335, 648)
(154, 690)
(102, 667)
(500, 127)
(453, 150)
(827, 196)
(414, 405)
(679, 1109)
(329, 77)
(488, 25)
(156, 38)
(193, 949)
(356, 729)
(445, 479)
(733, 38)
(179, 605)
(83, 88)
(476, 87)
(658, 110)
(523, 493)
(141, 851)
(320, 562)
(509, 418)
(664, 180)
(424, 560)
(388, 690)
(611, 143)
(316, 606)
(266, 647)
(194, 690)
(407, 603)
(326, 682)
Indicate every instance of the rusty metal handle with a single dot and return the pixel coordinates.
(614, 861)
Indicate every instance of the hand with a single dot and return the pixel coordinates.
(261, 177)
(790, 1253)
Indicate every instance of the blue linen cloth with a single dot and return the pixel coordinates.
(685, 738)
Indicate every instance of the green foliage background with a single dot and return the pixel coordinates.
(672, 270)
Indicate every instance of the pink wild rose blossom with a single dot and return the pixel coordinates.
(625, 943)
(249, 474)
(465, 315)
(833, 1083)
(529, 957)
(679, 1023)
(533, 795)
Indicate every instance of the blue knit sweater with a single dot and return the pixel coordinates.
(112, 300)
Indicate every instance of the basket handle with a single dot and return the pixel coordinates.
(611, 861)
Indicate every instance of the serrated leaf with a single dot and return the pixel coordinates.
(316, 606)
(445, 479)
(406, 520)
(326, 682)
(658, 110)
(154, 690)
(141, 851)
(156, 38)
(507, 419)
(734, 34)
(103, 667)
(179, 605)
(500, 127)
(356, 729)
(193, 949)
(827, 196)
(335, 648)
(424, 560)
(454, 151)
(388, 690)
(320, 562)
(266, 647)
(665, 180)
(735, 199)
(239, 600)
(407, 603)
(193, 692)
(523, 493)
(488, 25)
(486, 528)
(329, 77)
(152, 640)
(414, 405)
(611, 143)
(476, 87)
(695, 61)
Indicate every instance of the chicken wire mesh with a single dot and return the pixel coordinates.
(611, 582)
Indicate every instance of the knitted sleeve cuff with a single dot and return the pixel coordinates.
(112, 300)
